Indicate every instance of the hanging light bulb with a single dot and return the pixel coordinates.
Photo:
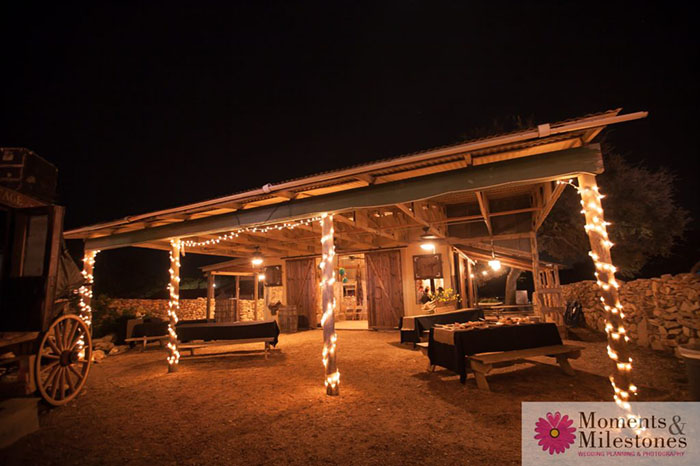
(427, 243)
(257, 257)
(261, 277)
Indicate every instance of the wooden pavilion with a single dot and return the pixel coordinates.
(474, 201)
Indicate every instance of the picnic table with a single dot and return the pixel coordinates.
(478, 350)
(413, 327)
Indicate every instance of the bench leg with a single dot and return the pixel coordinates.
(267, 349)
(563, 361)
(143, 348)
(481, 382)
(480, 371)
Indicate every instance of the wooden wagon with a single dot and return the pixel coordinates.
(50, 346)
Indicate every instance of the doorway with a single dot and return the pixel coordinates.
(351, 293)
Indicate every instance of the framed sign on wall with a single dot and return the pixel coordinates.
(427, 266)
(273, 275)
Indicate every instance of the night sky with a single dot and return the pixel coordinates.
(144, 106)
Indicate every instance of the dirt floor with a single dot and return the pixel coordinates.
(242, 409)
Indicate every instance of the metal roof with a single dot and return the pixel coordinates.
(546, 137)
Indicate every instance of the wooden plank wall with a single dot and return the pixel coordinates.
(384, 289)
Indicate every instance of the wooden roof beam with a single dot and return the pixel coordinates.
(484, 208)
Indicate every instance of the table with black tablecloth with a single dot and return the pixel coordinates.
(412, 327)
(451, 355)
(207, 330)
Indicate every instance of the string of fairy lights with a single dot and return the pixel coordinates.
(85, 290)
(330, 339)
(256, 229)
(596, 227)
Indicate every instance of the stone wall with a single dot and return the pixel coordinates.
(190, 309)
(660, 313)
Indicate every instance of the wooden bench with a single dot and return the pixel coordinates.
(192, 347)
(482, 363)
(145, 340)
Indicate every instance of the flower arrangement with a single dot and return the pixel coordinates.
(447, 296)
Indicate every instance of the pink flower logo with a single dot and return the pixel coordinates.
(555, 433)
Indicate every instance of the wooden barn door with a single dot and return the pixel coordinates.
(384, 289)
(301, 290)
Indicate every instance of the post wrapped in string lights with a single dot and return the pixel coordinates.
(85, 291)
(330, 338)
(174, 304)
(596, 228)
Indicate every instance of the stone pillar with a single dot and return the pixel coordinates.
(174, 304)
(332, 381)
(605, 278)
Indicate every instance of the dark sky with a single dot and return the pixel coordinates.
(148, 105)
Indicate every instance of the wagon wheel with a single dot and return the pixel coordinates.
(63, 360)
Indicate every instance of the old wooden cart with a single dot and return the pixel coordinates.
(50, 345)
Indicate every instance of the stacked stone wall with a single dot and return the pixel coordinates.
(660, 313)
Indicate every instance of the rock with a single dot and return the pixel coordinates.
(98, 356)
(118, 349)
(656, 345)
(102, 345)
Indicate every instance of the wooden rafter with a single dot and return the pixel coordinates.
(478, 239)
(419, 219)
(361, 223)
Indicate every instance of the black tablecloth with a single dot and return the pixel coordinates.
(188, 330)
(426, 322)
(154, 328)
(497, 338)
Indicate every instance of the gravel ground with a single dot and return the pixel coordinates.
(242, 409)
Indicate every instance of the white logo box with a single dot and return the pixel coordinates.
(601, 433)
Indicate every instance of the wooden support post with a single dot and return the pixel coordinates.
(470, 288)
(174, 304)
(256, 282)
(610, 299)
(328, 319)
(237, 316)
(535, 274)
(460, 273)
(210, 294)
(85, 291)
